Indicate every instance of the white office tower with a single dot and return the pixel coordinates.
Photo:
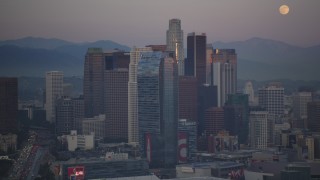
(175, 43)
(261, 129)
(133, 128)
(300, 101)
(224, 73)
(248, 89)
(271, 98)
(223, 79)
(54, 90)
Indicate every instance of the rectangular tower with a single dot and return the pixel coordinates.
(261, 129)
(313, 116)
(93, 82)
(116, 104)
(224, 73)
(158, 102)
(300, 101)
(8, 105)
(196, 57)
(69, 115)
(54, 90)
(133, 126)
(188, 98)
(271, 97)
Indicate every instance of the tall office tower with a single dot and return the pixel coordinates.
(209, 68)
(54, 90)
(207, 97)
(93, 82)
(69, 115)
(175, 43)
(271, 98)
(78, 112)
(196, 57)
(260, 129)
(133, 126)
(300, 101)
(8, 105)
(188, 98)
(314, 116)
(248, 89)
(214, 120)
(64, 116)
(237, 116)
(224, 73)
(116, 104)
(158, 102)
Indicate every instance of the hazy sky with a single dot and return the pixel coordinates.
(142, 22)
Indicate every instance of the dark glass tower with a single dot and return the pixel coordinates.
(158, 104)
(93, 82)
(196, 56)
(237, 116)
(96, 63)
(188, 98)
(8, 105)
(116, 104)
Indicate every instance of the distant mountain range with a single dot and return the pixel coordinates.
(258, 59)
(34, 56)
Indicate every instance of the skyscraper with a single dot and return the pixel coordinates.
(54, 90)
(300, 101)
(175, 43)
(64, 116)
(116, 104)
(188, 98)
(158, 101)
(237, 116)
(314, 116)
(196, 57)
(97, 63)
(224, 73)
(93, 87)
(8, 105)
(214, 120)
(133, 124)
(207, 98)
(69, 115)
(271, 97)
(260, 129)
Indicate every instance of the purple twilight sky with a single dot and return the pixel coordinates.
(142, 22)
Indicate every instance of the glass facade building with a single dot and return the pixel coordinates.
(157, 79)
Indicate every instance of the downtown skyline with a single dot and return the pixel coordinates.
(143, 22)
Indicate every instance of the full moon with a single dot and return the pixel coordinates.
(284, 9)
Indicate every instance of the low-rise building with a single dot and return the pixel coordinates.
(99, 168)
(218, 169)
(96, 124)
(75, 141)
